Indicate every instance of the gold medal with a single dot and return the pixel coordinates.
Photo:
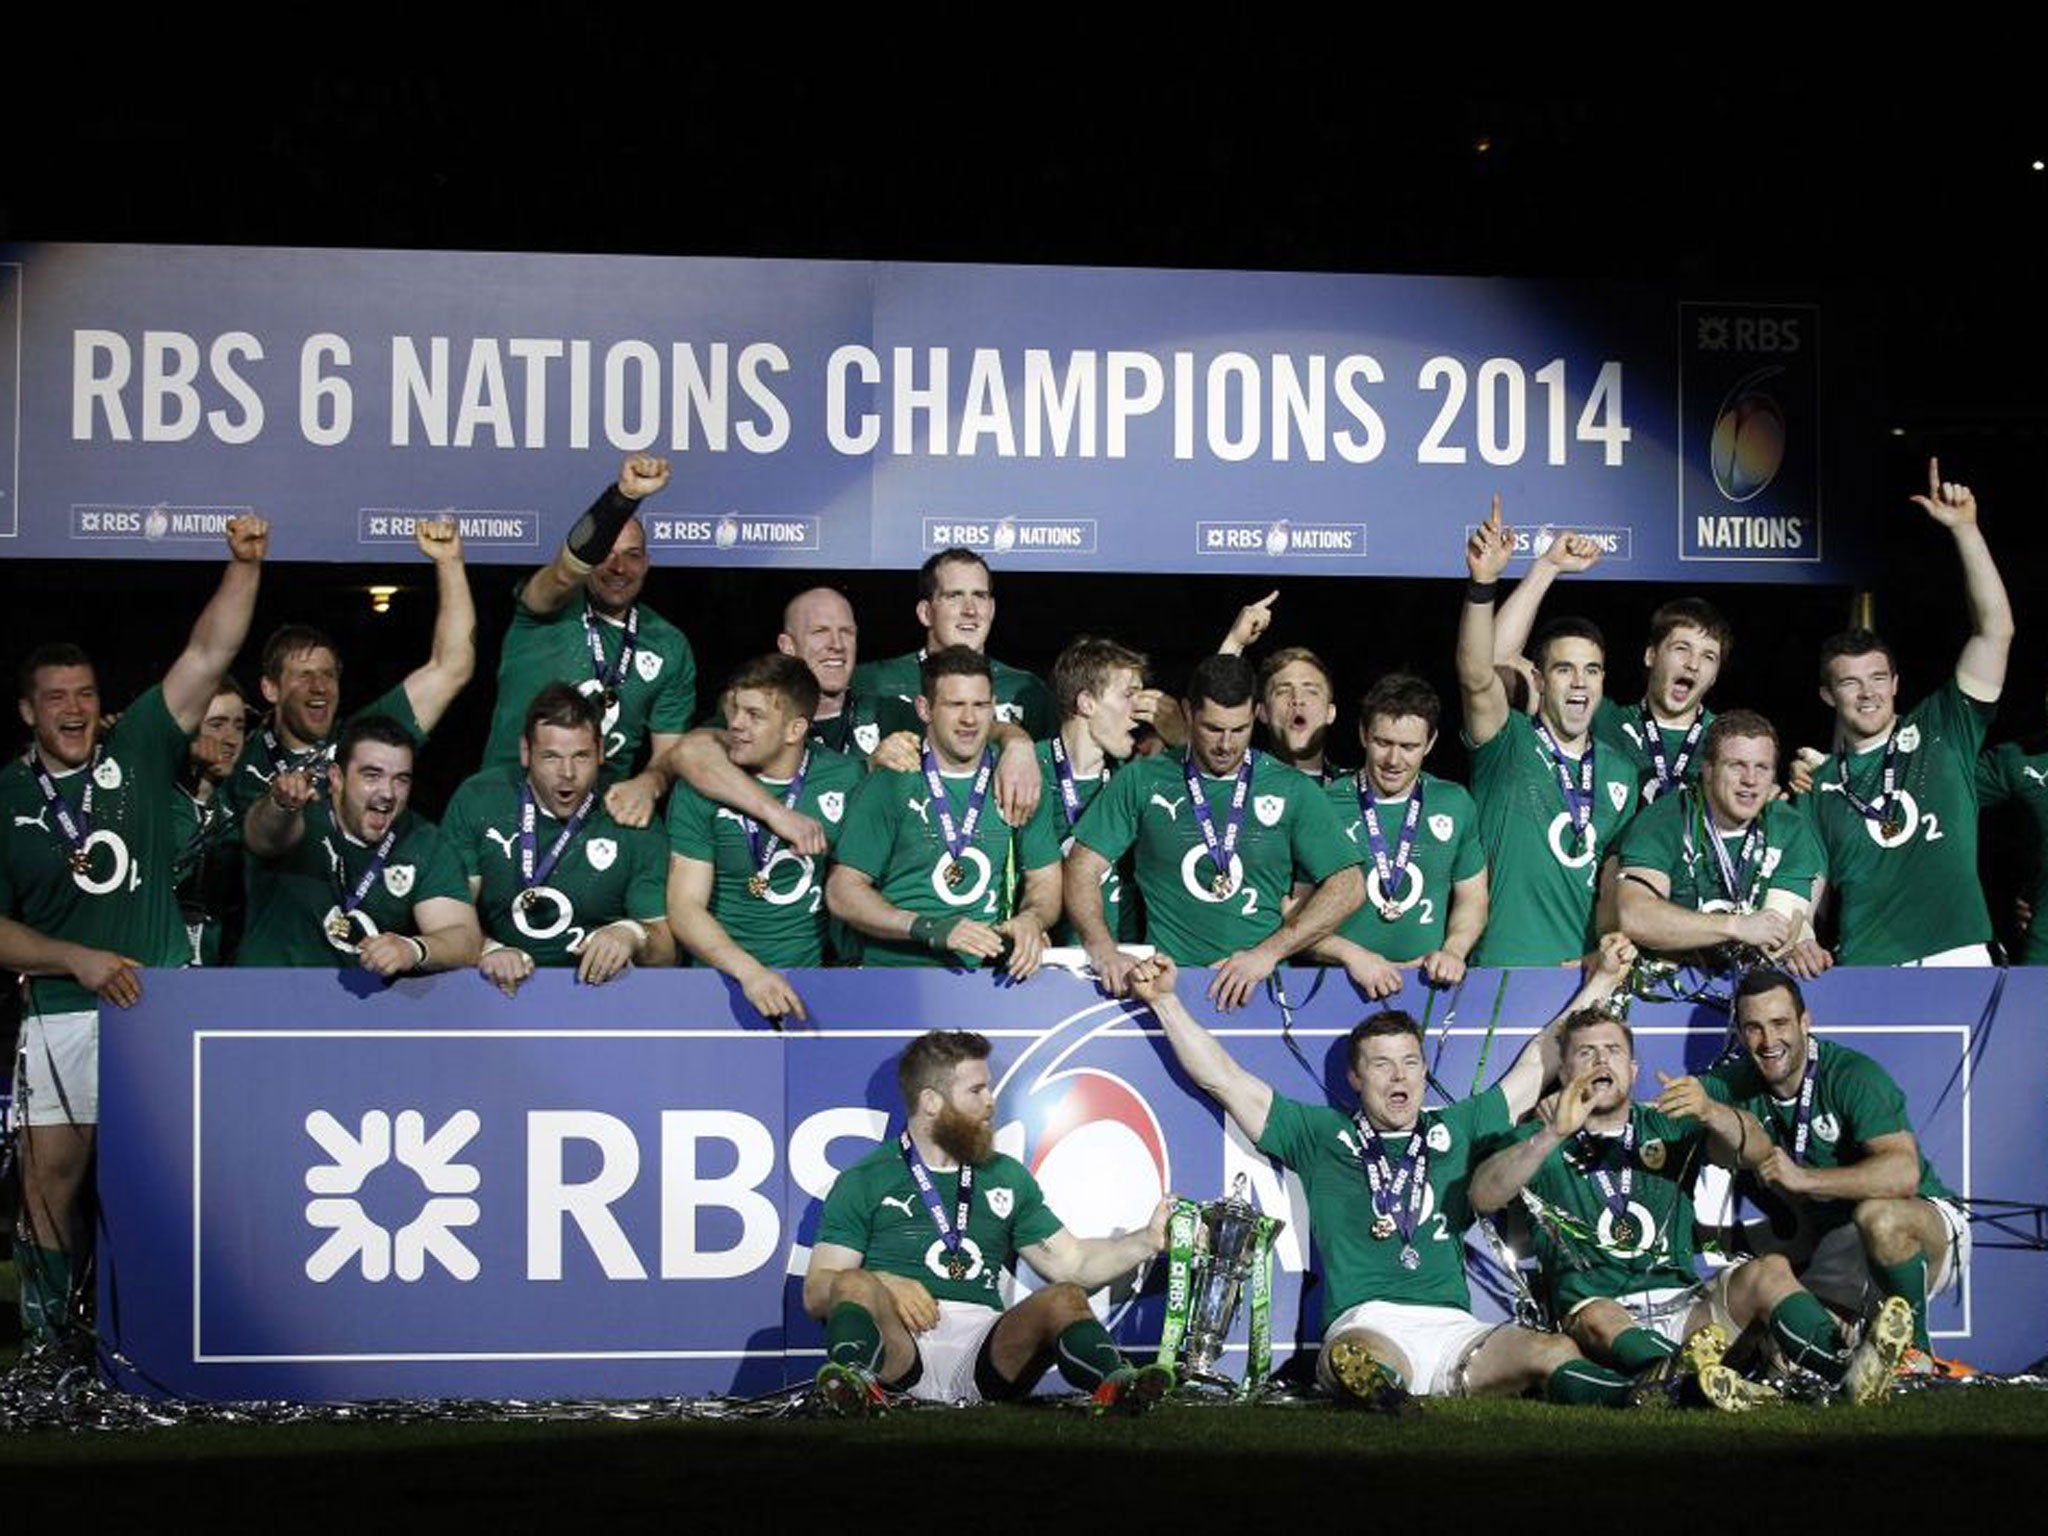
(1383, 1227)
(757, 885)
(528, 899)
(1623, 1233)
(954, 873)
(956, 1264)
(1894, 822)
(81, 861)
(340, 929)
(1391, 912)
(610, 696)
(1220, 886)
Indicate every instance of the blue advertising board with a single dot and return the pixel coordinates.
(841, 414)
(318, 1190)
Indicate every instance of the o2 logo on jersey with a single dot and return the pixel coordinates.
(1909, 809)
(1560, 829)
(969, 890)
(1090, 1139)
(1197, 869)
(1411, 892)
(614, 740)
(1645, 1225)
(99, 885)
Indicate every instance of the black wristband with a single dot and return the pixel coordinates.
(1480, 591)
(930, 932)
(597, 530)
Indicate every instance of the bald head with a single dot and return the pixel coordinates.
(818, 629)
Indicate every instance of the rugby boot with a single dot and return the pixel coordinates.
(1875, 1360)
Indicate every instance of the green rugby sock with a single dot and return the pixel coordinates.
(1086, 1354)
(1637, 1349)
(1806, 1333)
(852, 1337)
(1584, 1383)
(1910, 1281)
(44, 1275)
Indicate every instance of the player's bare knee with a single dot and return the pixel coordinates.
(1886, 1227)
(1065, 1303)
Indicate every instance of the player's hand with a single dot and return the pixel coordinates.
(641, 476)
(631, 802)
(291, 790)
(607, 953)
(1252, 621)
(110, 977)
(1572, 1104)
(1238, 978)
(1683, 1098)
(1162, 1217)
(387, 954)
(506, 969)
(1018, 781)
(899, 752)
(439, 539)
(1154, 707)
(915, 1307)
(1375, 977)
(968, 937)
(1806, 959)
(1571, 552)
(1767, 930)
(770, 995)
(1154, 977)
(1805, 764)
(1114, 970)
(248, 538)
(1783, 1174)
(1614, 956)
(1949, 502)
(1487, 551)
(2022, 913)
(799, 831)
(1027, 944)
(1441, 968)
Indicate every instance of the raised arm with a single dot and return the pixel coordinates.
(1248, 1100)
(1538, 1061)
(1566, 554)
(222, 626)
(431, 688)
(1251, 622)
(590, 541)
(1508, 1172)
(1980, 670)
(1484, 700)
(276, 820)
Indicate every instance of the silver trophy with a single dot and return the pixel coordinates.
(1231, 1245)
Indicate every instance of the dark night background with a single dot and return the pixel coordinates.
(1908, 208)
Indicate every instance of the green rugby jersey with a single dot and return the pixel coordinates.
(894, 684)
(1626, 728)
(1121, 908)
(656, 692)
(1913, 892)
(1447, 849)
(605, 873)
(786, 924)
(291, 898)
(875, 1209)
(1288, 829)
(1325, 1149)
(1541, 876)
(124, 899)
(2008, 775)
(1671, 837)
(892, 835)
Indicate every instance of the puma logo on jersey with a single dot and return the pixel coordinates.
(903, 1201)
(921, 807)
(1349, 1145)
(35, 820)
(1171, 807)
(2033, 773)
(502, 839)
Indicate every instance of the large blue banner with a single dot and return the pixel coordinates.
(849, 414)
(315, 1189)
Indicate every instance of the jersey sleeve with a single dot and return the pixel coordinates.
(1038, 840)
(440, 871)
(462, 831)
(691, 819)
(1874, 1103)
(158, 740)
(1041, 716)
(844, 1221)
(1288, 1134)
(396, 704)
(869, 834)
(1110, 824)
(1034, 1221)
(676, 703)
(1320, 846)
(1957, 714)
(1484, 1119)
(1800, 861)
(1997, 775)
(1468, 858)
(1652, 840)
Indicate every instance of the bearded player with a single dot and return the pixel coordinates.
(907, 1268)
(1608, 1183)
(556, 880)
(740, 899)
(86, 883)
(1388, 1198)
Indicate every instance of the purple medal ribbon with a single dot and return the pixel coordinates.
(1223, 850)
(1392, 873)
(1578, 799)
(609, 677)
(1741, 875)
(764, 856)
(1070, 792)
(346, 898)
(1396, 1194)
(1668, 775)
(951, 1233)
(1592, 1154)
(1879, 810)
(531, 874)
(74, 830)
(958, 835)
(1802, 1117)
